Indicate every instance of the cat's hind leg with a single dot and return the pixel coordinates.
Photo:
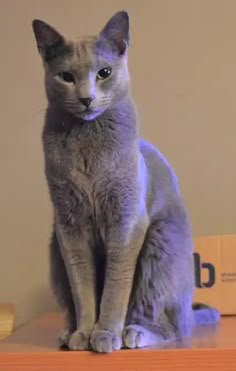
(160, 302)
(149, 334)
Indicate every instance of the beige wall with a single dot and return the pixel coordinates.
(183, 67)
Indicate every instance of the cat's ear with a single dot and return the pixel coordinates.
(116, 31)
(47, 38)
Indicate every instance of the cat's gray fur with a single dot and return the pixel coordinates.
(121, 249)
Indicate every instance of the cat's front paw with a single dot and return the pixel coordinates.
(64, 338)
(103, 341)
(80, 340)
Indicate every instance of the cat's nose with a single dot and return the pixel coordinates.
(86, 101)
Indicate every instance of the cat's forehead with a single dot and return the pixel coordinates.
(88, 51)
(85, 47)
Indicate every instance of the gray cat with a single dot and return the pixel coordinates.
(121, 249)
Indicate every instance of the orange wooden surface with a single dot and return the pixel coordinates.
(33, 347)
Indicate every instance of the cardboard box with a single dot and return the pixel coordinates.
(215, 272)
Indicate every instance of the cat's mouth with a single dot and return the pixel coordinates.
(88, 113)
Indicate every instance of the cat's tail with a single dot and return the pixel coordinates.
(204, 314)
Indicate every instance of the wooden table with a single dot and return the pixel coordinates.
(33, 347)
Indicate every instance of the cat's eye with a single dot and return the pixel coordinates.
(67, 77)
(104, 73)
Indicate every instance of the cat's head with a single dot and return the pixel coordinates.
(88, 76)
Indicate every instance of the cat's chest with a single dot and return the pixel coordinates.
(84, 163)
(72, 155)
(82, 175)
